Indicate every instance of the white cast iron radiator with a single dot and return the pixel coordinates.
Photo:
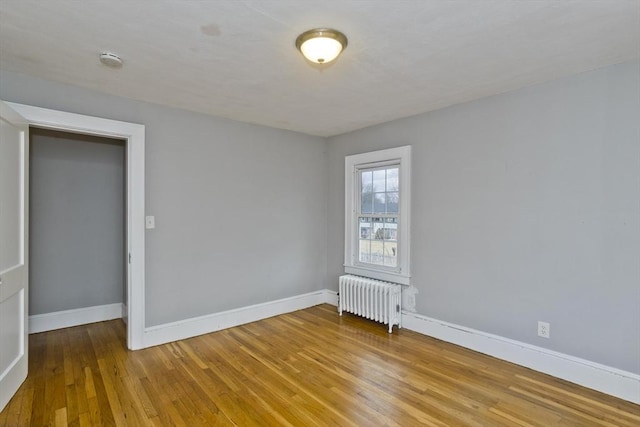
(373, 299)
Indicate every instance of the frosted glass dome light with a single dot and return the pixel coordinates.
(321, 45)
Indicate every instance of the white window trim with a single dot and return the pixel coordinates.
(401, 155)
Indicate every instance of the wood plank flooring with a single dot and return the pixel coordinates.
(307, 368)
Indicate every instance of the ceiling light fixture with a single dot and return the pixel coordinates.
(321, 45)
(110, 60)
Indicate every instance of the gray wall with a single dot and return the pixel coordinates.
(526, 207)
(240, 209)
(76, 222)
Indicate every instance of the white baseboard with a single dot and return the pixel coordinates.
(68, 318)
(330, 297)
(622, 384)
(188, 328)
(125, 313)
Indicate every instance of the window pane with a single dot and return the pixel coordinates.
(378, 228)
(366, 192)
(377, 247)
(366, 203)
(390, 242)
(392, 202)
(391, 229)
(379, 181)
(377, 242)
(365, 227)
(390, 253)
(364, 250)
(392, 179)
(367, 180)
(378, 203)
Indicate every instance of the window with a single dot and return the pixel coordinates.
(377, 196)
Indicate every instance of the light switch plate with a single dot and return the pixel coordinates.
(150, 222)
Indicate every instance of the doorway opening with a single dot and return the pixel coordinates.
(77, 229)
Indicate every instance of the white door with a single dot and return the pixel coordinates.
(14, 186)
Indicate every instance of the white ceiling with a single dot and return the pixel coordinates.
(237, 59)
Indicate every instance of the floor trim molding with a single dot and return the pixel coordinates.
(612, 381)
(168, 332)
(330, 297)
(79, 316)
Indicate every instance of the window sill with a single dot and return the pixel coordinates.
(378, 275)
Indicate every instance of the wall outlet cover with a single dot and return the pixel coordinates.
(544, 330)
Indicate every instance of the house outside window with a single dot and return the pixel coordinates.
(377, 200)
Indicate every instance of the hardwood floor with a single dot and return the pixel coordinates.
(307, 368)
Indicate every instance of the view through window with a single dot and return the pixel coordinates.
(378, 216)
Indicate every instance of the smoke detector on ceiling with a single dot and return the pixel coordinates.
(110, 60)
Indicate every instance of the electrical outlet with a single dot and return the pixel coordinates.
(544, 329)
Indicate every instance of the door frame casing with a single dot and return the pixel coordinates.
(134, 135)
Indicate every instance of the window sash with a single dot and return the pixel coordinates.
(360, 190)
(390, 254)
